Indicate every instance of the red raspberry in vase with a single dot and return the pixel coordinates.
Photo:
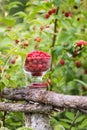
(37, 62)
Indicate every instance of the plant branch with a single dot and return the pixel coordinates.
(55, 29)
(73, 122)
(53, 43)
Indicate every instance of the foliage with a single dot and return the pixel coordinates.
(21, 23)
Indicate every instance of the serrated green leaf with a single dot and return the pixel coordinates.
(69, 115)
(80, 118)
(83, 124)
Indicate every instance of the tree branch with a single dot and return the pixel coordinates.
(47, 97)
(17, 107)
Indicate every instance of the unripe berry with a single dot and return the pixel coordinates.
(38, 39)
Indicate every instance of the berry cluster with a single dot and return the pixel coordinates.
(22, 43)
(50, 12)
(37, 62)
(78, 47)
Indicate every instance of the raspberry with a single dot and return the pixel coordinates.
(85, 71)
(13, 61)
(68, 14)
(47, 16)
(62, 62)
(80, 43)
(50, 12)
(78, 64)
(36, 62)
(16, 41)
(53, 10)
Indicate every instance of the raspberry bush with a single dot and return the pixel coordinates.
(57, 27)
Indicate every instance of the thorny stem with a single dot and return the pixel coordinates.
(73, 122)
(53, 42)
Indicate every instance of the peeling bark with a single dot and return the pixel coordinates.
(47, 97)
(17, 107)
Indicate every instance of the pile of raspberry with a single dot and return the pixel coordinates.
(37, 62)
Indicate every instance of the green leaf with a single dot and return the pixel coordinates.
(79, 119)
(78, 1)
(69, 115)
(58, 2)
(24, 128)
(59, 127)
(81, 82)
(83, 124)
(3, 128)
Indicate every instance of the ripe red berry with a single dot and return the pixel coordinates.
(68, 14)
(81, 42)
(78, 64)
(47, 26)
(62, 62)
(16, 41)
(54, 10)
(50, 12)
(85, 71)
(13, 61)
(47, 16)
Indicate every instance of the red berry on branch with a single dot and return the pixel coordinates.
(62, 62)
(50, 12)
(12, 61)
(85, 71)
(47, 16)
(68, 14)
(80, 43)
(16, 41)
(78, 64)
(54, 10)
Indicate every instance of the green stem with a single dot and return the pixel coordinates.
(53, 43)
(73, 122)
